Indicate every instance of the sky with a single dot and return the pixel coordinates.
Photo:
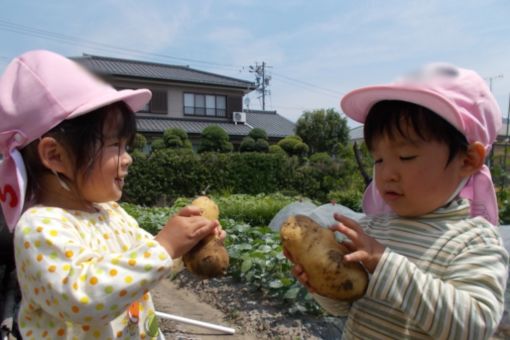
(314, 51)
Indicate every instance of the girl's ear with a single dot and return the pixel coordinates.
(53, 156)
(474, 158)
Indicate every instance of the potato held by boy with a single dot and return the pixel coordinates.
(208, 258)
(321, 256)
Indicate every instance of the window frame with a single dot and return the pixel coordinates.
(203, 108)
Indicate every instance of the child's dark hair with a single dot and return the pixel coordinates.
(83, 139)
(387, 117)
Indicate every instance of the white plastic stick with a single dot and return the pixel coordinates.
(227, 330)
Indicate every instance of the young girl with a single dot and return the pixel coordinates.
(84, 266)
(438, 268)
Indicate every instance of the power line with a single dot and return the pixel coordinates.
(72, 40)
(307, 84)
(308, 87)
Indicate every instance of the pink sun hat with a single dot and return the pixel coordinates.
(39, 90)
(458, 95)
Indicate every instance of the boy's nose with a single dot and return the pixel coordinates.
(389, 173)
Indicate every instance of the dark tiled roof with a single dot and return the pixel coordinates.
(275, 125)
(141, 69)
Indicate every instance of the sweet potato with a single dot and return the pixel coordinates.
(208, 258)
(321, 256)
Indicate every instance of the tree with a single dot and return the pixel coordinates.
(214, 138)
(176, 138)
(293, 146)
(255, 141)
(323, 130)
(139, 142)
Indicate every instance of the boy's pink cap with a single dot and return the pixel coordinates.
(458, 95)
(38, 90)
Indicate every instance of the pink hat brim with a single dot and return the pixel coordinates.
(135, 99)
(357, 104)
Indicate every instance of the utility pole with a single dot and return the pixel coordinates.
(261, 81)
(506, 144)
(489, 159)
(491, 78)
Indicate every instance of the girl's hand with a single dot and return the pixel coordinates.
(361, 246)
(183, 230)
(192, 210)
(298, 272)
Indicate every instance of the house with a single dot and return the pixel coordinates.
(188, 99)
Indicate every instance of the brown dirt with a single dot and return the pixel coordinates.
(231, 304)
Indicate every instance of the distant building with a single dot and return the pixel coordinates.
(190, 99)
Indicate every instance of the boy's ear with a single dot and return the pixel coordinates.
(53, 156)
(474, 159)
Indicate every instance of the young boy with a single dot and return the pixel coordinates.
(437, 263)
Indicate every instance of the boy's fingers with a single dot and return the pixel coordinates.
(349, 245)
(350, 233)
(348, 222)
(357, 256)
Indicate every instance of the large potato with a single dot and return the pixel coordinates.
(208, 258)
(317, 251)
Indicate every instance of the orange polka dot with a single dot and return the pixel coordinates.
(85, 328)
(65, 280)
(45, 334)
(39, 258)
(39, 229)
(146, 297)
(119, 334)
(113, 272)
(132, 262)
(123, 293)
(93, 280)
(52, 268)
(36, 291)
(75, 286)
(147, 254)
(26, 245)
(69, 253)
(29, 333)
(75, 309)
(61, 332)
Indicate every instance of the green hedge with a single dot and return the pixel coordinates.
(159, 178)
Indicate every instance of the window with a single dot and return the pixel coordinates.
(205, 105)
(157, 104)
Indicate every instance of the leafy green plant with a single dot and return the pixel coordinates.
(256, 258)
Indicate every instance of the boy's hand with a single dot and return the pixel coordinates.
(298, 272)
(361, 246)
(183, 230)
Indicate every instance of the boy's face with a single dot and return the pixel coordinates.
(412, 175)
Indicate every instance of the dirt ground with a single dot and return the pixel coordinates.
(230, 304)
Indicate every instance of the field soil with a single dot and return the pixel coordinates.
(227, 303)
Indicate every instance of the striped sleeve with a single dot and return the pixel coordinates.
(467, 303)
(333, 307)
